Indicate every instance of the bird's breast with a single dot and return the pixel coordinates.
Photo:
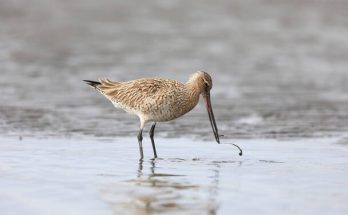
(171, 108)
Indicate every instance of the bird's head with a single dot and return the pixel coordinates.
(204, 84)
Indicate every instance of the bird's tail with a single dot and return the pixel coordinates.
(93, 84)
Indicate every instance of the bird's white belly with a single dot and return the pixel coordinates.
(125, 108)
(165, 114)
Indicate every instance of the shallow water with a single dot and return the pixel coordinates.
(71, 176)
(280, 80)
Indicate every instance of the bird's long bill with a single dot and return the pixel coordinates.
(211, 116)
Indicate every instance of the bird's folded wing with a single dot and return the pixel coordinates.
(137, 93)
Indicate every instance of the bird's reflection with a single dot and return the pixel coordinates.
(172, 192)
(140, 170)
(155, 189)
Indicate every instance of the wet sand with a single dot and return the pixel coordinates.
(279, 68)
(103, 176)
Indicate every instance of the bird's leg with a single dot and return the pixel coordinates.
(140, 139)
(152, 131)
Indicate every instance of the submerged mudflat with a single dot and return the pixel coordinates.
(279, 69)
(104, 176)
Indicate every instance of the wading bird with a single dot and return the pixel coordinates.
(158, 100)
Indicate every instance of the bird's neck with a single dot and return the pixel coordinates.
(193, 92)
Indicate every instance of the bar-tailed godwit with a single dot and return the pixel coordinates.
(158, 100)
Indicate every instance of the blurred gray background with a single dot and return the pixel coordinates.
(279, 67)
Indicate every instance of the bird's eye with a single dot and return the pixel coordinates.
(206, 84)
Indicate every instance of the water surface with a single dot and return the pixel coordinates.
(70, 176)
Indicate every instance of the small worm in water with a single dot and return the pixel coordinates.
(240, 150)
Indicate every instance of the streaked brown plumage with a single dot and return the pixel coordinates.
(158, 100)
